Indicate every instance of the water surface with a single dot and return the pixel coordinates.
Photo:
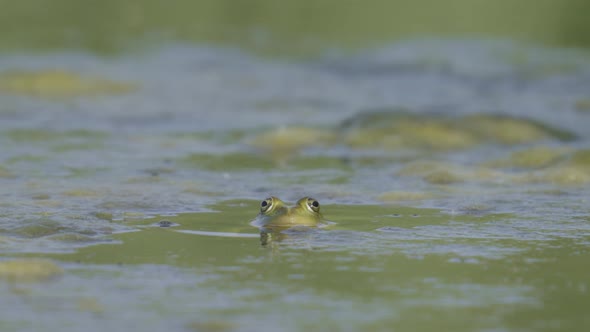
(455, 174)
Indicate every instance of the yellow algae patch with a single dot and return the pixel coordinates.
(90, 304)
(104, 216)
(397, 196)
(433, 172)
(442, 177)
(48, 203)
(414, 134)
(508, 130)
(422, 168)
(285, 141)
(72, 238)
(574, 171)
(581, 158)
(29, 270)
(399, 129)
(211, 326)
(537, 157)
(445, 173)
(80, 193)
(564, 176)
(59, 84)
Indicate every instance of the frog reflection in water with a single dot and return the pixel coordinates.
(275, 216)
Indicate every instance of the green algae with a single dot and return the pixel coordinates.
(509, 130)
(80, 193)
(26, 158)
(227, 162)
(443, 177)
(211, 326)
(319, 162)
(537, 157)
(38, 228)
(223, 137)
(569, 169)
(103, 215)
(399, 129)
(285, 141)
(60, 84)
(66, 147)
(560, 176)
(72, 238)
(90, 304)
(580, 158)
(255, 162)
(41, 196)
(83, 172)
(29, 270)
(43, 135)
(403, 196)
(440, 172)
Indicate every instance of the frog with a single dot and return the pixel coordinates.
(274, 213)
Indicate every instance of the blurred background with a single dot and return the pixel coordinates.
(283, 27)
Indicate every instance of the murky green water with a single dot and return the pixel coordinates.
(455, 176)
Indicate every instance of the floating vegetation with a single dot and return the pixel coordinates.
(29, 270)
(285, 140)
(537, 157)
(227, 162)
(59, 84)
(401, 196)
(399, 129)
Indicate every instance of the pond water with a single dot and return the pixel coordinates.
(455, 176)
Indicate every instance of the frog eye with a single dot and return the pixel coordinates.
(266, 204)
(313, 204)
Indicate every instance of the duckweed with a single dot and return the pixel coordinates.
(37, 229)
(43, 135)
(537, 157)
(29, 270)
(437, 172)
(399, 129)
(104, 216)
(581, 158)
(72, 238)
(211, 326)
(509, 130)
(564, 176)
(59, 84)
(80, 193)
(442, 177)
(90, 304)
(423, 167)
(319, 162)
(400, 196)
(411, 134)
(283, 142)
(227, 162)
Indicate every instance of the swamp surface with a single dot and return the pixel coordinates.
(455, 175)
